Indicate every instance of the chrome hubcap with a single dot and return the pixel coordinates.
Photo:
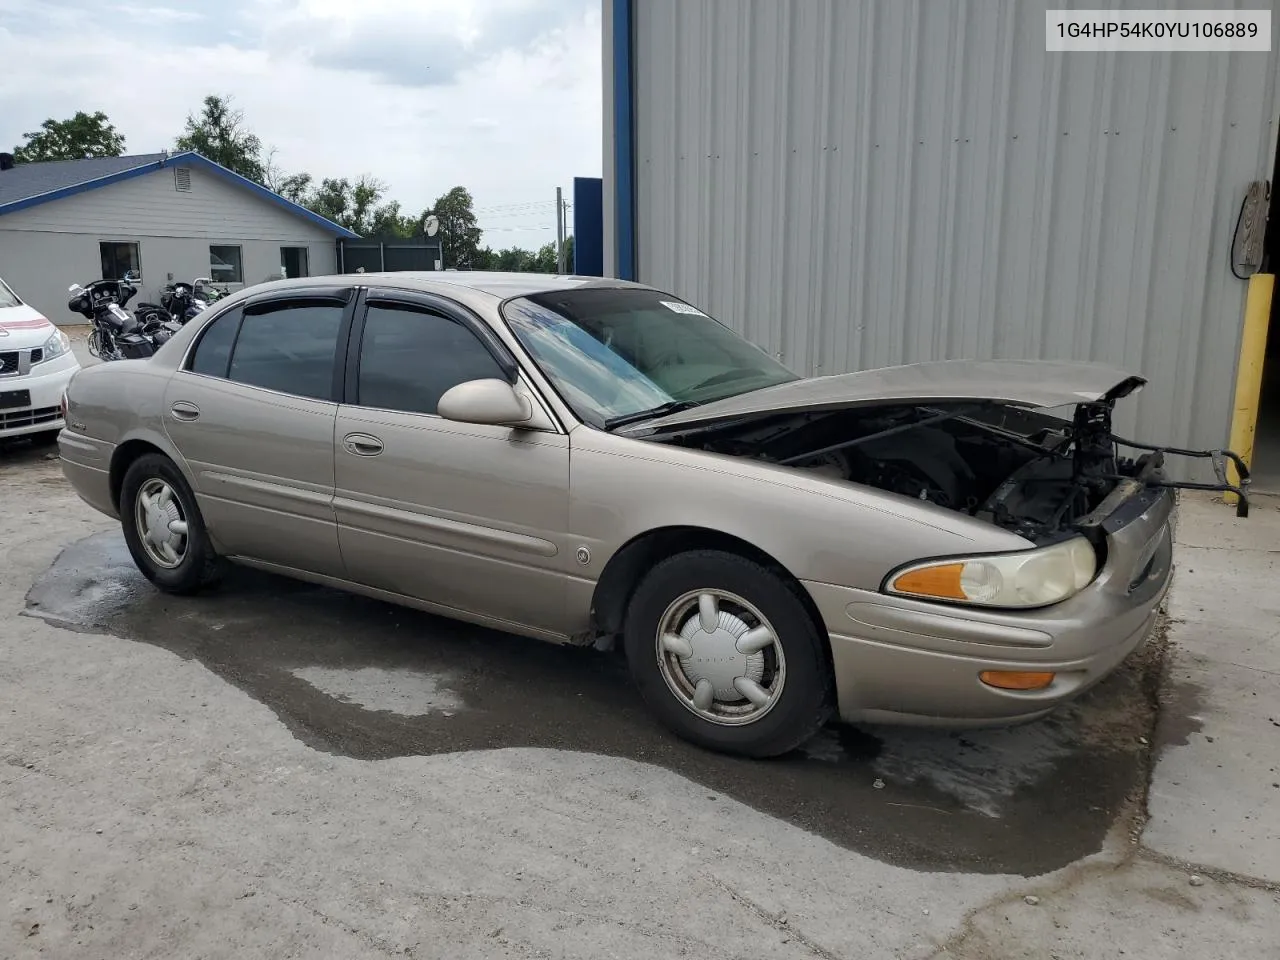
(161, 524)
(720, 657)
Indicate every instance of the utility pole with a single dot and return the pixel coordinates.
(559, 231)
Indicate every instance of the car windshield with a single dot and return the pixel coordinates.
(7, 297)
(618, 355)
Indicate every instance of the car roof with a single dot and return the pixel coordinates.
(499, 286)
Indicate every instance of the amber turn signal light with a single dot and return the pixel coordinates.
(1016, 679)
(941, 581)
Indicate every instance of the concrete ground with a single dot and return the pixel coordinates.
(276, 770)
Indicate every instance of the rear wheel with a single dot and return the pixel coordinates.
(726, 655)
(163, 527)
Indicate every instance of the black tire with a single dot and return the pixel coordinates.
(805, 701)
(200, 566)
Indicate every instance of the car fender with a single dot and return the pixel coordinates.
(818, 529)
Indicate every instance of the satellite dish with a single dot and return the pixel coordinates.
(433, 225)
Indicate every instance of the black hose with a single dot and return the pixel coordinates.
(1231, 253)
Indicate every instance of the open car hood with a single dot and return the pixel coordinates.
(1025, 383)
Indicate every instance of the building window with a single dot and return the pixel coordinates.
(225, 265)
(293, 262)
(119, 259)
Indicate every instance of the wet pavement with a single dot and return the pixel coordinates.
(360, 678)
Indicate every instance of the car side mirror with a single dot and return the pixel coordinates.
(492, 402)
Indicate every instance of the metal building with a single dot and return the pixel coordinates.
(858, 183)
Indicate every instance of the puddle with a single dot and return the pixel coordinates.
(365, 679)
(404, 692)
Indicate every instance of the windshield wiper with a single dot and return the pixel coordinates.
(661, 410)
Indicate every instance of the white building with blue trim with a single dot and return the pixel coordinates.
(169, 217)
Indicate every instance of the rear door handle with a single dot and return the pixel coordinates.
(362, 444)
(183, 410)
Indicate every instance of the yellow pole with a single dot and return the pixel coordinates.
(1253, 347)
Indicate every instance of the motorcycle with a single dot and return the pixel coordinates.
(117, 335)
(144, 311)
(179, 299)
(207, 292)
(180, 302)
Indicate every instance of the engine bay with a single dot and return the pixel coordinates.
(1027, 471)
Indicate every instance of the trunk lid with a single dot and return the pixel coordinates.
(1025, 383)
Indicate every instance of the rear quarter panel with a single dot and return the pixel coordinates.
(110, 404)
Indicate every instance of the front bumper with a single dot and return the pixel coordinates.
(905, 661)
(45, 386)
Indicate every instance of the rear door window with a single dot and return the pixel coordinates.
(290, 347)
(212, 354)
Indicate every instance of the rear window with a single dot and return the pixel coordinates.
(7, 297)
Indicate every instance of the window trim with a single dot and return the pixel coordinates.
(239, 248)
(507, 360)
(351, 396)
(348, 297)
(448, 309)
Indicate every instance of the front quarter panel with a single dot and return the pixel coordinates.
(819, 530)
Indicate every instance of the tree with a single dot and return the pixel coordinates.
(459, 229)
(544, 261)
(568, 254)
(348, 204)
(295, 186)
(84, 135)
(510, 260)
(389, 223)
(219, 134)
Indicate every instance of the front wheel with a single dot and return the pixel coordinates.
(103, 345)
(163, 527)
(725, 653)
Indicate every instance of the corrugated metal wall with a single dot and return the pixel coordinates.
(856, 183)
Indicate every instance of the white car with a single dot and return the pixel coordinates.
(36, 364)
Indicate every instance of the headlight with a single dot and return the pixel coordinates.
(1034, 578)
(55, 346)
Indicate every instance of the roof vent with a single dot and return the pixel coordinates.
(182, 179)
(6, 161)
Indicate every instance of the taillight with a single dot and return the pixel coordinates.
(64, 407)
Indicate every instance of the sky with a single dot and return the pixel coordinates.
(500, 96)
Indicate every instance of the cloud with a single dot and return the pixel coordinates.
(340, 89)
(413, 42)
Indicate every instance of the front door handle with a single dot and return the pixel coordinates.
(362, 444)
(184, 410)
